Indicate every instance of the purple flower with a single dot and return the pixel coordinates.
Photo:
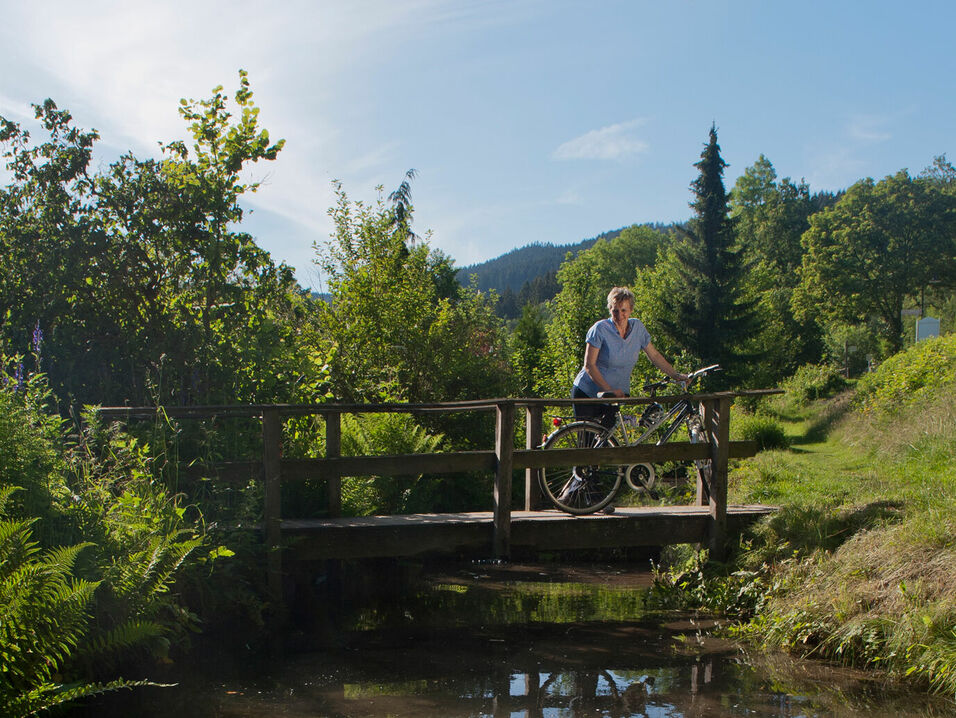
(18, 375)
(37, 338)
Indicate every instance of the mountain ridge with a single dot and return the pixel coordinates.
(518, 266)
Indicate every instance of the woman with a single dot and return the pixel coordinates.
(612, 347)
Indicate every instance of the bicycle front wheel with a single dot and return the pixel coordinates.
(581, 489)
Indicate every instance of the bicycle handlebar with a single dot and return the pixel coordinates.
(691, 378)
(654, 386)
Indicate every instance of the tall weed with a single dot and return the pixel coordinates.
(45, 622)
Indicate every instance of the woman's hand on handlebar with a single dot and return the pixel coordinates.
(612, 394)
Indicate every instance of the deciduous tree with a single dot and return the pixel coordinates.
(769, 218)
(880, 244)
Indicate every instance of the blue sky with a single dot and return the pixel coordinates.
(527, 120)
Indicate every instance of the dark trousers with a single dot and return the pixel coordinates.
(601, 413)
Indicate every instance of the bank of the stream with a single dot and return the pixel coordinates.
(859, 564)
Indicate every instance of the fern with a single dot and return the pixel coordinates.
(90, 548)
(47, 696)
(45, 621)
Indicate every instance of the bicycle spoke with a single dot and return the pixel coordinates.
(581, 489)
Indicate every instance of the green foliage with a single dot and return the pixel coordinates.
(155, 295)
(403, 330)
(537, 292)
(813, 381)
(69, 615)
(527, 348)
(45, 626)
(769, 219)
(692, 582)
(28, 440)
(857, 565)
(766, 431)
(514, 269)
(698, 287)
(853, 347)
(880, 244)
(371, 434)
(909, 377)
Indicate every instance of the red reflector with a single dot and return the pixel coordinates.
(556, 421)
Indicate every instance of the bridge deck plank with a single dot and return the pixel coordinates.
(412, 534)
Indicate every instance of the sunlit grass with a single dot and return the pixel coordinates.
(859, 563)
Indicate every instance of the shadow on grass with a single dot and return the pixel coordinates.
(818, 429)
(804, 529)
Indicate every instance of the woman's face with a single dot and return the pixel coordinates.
(621, 311)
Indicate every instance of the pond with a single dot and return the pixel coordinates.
(483, 639)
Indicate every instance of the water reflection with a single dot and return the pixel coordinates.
(519, 643)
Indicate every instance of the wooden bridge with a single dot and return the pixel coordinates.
(504, 527)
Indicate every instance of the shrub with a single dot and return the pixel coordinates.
(814, 381)
(766, 431)
(909, 376)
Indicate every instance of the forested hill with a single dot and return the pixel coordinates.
(524, 264)
(519, 268)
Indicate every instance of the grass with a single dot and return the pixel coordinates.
(859, 563)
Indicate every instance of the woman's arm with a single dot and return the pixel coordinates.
(658, 360)
(590, 366)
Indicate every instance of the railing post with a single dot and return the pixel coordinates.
(333, 448)
(532, 432)
(504, 452)
(719, 432)
(272, 501)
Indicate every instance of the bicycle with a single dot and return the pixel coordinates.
(588, 489)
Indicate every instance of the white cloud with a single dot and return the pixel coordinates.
(614, 142)
(868, 128)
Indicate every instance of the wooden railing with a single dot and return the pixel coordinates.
(503, 460)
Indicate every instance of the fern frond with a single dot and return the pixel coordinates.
(16, 544)
(50, 695)
(131, 634)
(6, 491)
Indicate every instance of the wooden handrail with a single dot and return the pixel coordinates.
(503, 460)
(289, 410)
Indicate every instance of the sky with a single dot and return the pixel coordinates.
(547, 121)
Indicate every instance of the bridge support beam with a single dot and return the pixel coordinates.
(532, 487)
(504, 460)
(333, 449)
(716, 421)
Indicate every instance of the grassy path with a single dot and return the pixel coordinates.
(859, 565)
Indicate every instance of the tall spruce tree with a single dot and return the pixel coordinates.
(705, 311)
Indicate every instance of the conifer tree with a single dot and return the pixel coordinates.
(702, 309)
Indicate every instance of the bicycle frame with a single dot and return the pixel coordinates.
(677, 415)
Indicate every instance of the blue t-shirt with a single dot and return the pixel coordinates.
(616, 356)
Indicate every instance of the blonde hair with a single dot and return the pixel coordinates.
(619, 294)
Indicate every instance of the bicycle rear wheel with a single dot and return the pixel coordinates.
(581, 489)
